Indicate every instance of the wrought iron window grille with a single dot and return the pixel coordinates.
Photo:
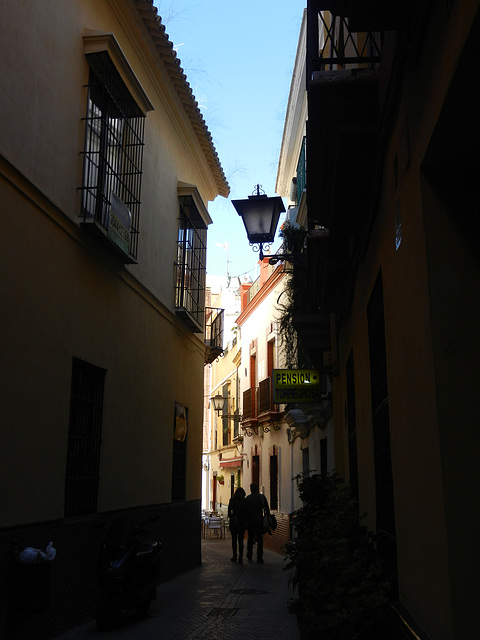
(113, 155)
(84, 439)
(190, 266)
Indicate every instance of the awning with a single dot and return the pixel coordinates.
(231, 462)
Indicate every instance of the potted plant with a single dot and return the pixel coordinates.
(343, 591)
(293, 237)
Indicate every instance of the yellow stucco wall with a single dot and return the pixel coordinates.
(64, 296)
(432, 314)
(60, 302)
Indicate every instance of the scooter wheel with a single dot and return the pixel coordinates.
(143, 607)
(108, 613)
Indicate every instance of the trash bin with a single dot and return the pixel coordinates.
(32, 578)
(32, 587)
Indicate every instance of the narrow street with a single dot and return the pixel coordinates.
(218, 600)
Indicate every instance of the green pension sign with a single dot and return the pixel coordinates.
(296, 385)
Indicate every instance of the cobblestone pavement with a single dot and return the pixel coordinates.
(220, 600)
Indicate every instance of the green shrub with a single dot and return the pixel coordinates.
(342, 591)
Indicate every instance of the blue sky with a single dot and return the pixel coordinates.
(238, 58)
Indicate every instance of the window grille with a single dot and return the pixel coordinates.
(225, 419)
(302, 170)
(113, 154)
(84, 439)
(274, 482)
(385, 505)
(191, 265)
(256, 469)
(352, 425)
(306, 462)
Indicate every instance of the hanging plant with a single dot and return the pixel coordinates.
(293, 237)
(286, 330)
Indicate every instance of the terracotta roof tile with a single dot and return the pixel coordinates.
(153, 23)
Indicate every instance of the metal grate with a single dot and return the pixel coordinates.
(302, 171)
(214, 321)
(113, 152)
(191, 264)
(84, 439)
(222, 612)
(336, 46)
(352, 425)
(384, 493)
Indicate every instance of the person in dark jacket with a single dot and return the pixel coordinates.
(257, 505)
(237, 518)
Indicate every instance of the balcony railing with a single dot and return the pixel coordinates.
(214, 319)
(265, 396)
(249, 408)
(259, 400)
(332, 45)
(260, 415)
(301, 171)
(254, 289)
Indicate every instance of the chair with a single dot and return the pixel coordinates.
(215, 524)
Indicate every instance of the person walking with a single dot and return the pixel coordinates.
(257, 506)
(237, 517)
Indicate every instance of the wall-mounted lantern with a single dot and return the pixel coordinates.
(260, 216)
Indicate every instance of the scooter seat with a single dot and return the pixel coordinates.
(120, 532)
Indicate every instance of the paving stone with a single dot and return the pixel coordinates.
(218, 600)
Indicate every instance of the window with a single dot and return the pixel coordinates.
(306, 462)
(385, 505)
(352, 425)
(301, 171)
(323, 457)
(274, 481)
(226, 439)
(270, 357)
(256, 469)
(84, 438)
(191, 264)
(113, 152)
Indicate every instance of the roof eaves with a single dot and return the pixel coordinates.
(153, 23)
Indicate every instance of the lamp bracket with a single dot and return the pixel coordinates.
(294, 258)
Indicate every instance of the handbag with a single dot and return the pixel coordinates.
(269, 520)
(273, 522)
(266, 524)
(269, 523)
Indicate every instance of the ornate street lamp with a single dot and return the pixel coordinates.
(218, 402)
(260, 216)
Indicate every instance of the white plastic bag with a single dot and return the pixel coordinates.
(30, 555)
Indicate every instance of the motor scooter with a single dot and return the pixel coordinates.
(127, 570)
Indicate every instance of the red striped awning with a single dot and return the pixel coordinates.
(231, 462)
